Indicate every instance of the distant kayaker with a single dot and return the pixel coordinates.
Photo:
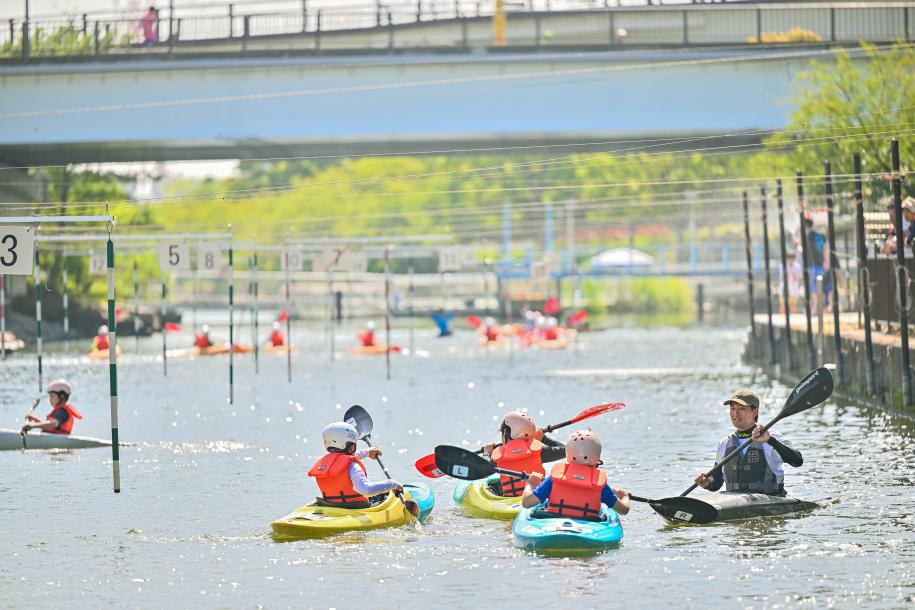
(100, 340)
(577, 487)
(341, 476)
(202, 338)
(524, 449)
(367, 337)
(277, 338)
(491, 330)
(759, 468)
(62, 416)
(443, 322)
(550, 331)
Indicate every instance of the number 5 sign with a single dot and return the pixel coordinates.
(17, 250)
(174, 256)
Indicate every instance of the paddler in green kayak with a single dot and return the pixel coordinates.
(524, 448)
(62, 416)
(577, 487)
(759, 469)
(341, 476)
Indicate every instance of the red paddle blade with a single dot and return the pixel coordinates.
(428, 468)
(171, 327)
(474, 321)
(551, 306)
(597, 410)
(284, 315)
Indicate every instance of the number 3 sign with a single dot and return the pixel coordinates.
(174, 256)
(17, 250)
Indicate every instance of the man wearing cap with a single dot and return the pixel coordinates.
(908, 216)
(758, 469)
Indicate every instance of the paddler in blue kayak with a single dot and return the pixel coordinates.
(62, 416)
(341, 475)
(443, 322)
(577, 487)
(524, 448)
(759, 468)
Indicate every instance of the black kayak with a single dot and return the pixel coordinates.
(732, 506)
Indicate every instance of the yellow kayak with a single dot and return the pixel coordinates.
(476, 500)
(102, 354)
(312, 521)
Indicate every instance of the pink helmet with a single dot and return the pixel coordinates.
(583, 447)
(516, 424)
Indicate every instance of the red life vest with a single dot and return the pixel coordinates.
(519, 455)
(67, 426)
(492, 333)
(331, 473)
(100, 342)
(576, 490)
(550, 334)
(277, 339)
(367, 337)
(202, 340)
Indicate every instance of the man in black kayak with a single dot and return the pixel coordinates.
(758, 469)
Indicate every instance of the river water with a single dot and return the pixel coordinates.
(203, 481)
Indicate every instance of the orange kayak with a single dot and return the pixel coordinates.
(372, 350)
(102, 354)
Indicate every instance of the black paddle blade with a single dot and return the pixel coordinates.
(685, 510)
(462, 464)
(360, 419)
(811, 391)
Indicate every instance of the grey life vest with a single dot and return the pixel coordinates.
(750, 472)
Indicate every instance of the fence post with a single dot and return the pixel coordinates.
(390, 30)
(901, 276)
(246, 32)
(832, 24)
(26, 43)
(786, 295)
(685, 28)
(811, 352)
(231, 21)
(832, 275)
(749, 251)
(758, 25)
(85, 24)
(537, 31)
(318, 30)
(178, 29)
(419, 10)
(611, 18)
(700, 302)
(95, 35)
(864, 280)
(304, 16)
(773, 357)
(378, 13)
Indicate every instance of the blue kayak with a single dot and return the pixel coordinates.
(536, 530)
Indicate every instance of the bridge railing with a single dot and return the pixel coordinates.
(457, 23)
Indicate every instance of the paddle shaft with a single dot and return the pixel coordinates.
(368, 441)
(717, 468)
(32, 410)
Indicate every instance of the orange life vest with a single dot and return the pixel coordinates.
(576, 490)
(492, 333)
(331, 473)
(202, 340)
(277, 339)
(519, 455)
(367, 337)
(67, 426)
(99, 342)
(550, 334)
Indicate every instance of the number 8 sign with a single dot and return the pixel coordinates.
(17, 250)
(209, 261)
(174, 256)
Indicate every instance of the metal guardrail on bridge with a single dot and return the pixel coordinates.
(235, 27)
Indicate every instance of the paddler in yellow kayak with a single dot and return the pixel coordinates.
(524, 449)
(341, 476)
(62, 416)
(759, 469)
(100, 340)
(577, 487)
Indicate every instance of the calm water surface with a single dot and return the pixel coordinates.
(205, 479)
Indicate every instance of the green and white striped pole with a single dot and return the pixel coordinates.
(252, 265)
(162, 324)
(231, 329)
(66, 307)
(113, 370)
(38, 345)
(288, 320)
(136, 307)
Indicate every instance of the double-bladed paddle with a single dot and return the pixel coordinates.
(811, 391)
(22, 434)
(362, 421)
(427, 465)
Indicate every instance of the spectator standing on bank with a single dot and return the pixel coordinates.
(818, 260)
(150, 25)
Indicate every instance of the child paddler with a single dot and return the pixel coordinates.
(341, 475)
(62, 416)
(524, 449)
(100, 340)
(759, 468)
(577, 487)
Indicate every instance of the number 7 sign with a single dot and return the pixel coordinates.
(17, 250)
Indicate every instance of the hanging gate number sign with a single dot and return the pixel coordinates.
(17, 250)
(174, 256)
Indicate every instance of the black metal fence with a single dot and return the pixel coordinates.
(530, 23)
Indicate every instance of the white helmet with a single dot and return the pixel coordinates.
(370, 325)
(490, 321)
(103, 330)
(583, 448)
(276, 326)
(60, 385)
(338, 435)
(551, 322)
(518, 425)
(205, 329)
